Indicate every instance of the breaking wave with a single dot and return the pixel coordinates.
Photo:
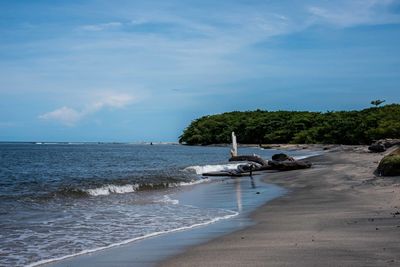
(112, 189)
(109, 189)
(213, 168)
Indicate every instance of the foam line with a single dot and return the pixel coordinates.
(134, 239)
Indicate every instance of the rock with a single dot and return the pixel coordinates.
(281, 157)
(289, 165)
(390, 142)
(383, 144)
(390, 164)
(377, 147)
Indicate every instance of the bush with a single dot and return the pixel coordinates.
(390, 164)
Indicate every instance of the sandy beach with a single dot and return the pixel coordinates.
(338, 213)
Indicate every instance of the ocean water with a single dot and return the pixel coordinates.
(58, 200)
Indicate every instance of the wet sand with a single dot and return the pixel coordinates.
(338, 213)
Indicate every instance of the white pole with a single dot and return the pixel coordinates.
(234, 145)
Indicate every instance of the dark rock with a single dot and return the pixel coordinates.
(289, 165)
(377, 147)
(281, 157)
(390, 142)
(383, 144)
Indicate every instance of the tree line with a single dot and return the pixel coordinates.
(298, 127)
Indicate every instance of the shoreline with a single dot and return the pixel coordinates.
(238, 196)
(337, 213)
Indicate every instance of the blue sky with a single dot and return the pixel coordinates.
(142, 70)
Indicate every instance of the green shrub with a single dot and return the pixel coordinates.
(390, 164)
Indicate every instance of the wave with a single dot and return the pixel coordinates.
(194, 182)
(198, 169)
(109, 189)
(216, 219)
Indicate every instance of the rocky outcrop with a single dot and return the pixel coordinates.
(377, 148)
(383, 144)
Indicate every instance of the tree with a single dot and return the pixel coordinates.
(335, 127)
(377, 102)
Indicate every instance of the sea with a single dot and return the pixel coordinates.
(59, 200)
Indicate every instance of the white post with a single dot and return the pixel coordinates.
(234, 145)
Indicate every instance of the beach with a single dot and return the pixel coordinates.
(338, 213)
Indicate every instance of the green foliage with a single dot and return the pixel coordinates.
(263, 127)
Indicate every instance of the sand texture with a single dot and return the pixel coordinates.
(338, 213)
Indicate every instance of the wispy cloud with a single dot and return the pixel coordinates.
(64, 115)
(353, 13)
(70, 117)
(101, 26)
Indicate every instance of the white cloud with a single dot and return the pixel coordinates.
(65, 115)
(101, 26)
(69, 116)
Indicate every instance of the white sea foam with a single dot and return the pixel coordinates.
(109, 189)
(168, 200)
(194, 182)
(214, 220)
(213, 168)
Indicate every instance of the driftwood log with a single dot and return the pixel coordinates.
(250, 158)
(254, 163)
(288, 165)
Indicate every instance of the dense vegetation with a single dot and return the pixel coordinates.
(265, 127)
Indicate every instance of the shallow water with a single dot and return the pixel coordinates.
(60, 200)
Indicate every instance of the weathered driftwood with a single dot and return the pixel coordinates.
(281, 157)
(234, 173)
(288, 165)
(250, 158)
(255, 163)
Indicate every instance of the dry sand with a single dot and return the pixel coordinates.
(338, 213)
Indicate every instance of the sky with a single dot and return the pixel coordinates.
(134, 71)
